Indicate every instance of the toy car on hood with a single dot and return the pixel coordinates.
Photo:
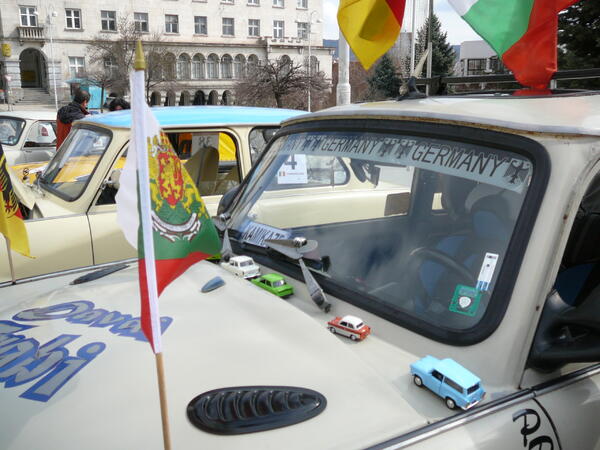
(70, 209)
(349, 326)
(448, 379)
(241, 266)
(466, 227)
(275, 284)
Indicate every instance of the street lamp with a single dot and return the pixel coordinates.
(50, 24)
(310, 22)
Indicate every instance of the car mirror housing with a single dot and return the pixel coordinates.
(227, 200)
(567, 334)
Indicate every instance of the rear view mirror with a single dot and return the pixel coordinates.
(113, 180)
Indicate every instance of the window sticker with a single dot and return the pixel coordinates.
(465, 300)
(293, 171)
(492, 166)
(256, 233)
(487, 271)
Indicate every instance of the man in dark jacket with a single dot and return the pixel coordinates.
(75, 110)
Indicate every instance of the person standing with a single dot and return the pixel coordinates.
(75, 110)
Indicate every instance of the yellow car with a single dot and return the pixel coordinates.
(69, 205)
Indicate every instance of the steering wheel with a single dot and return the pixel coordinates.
(443, 259)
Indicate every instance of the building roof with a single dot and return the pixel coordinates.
(558, 114)
(175, 116)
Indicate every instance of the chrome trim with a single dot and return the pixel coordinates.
(428, 431)
(66, 272)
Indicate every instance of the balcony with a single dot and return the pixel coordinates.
(36, 34)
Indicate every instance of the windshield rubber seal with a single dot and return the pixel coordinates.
(516, 248)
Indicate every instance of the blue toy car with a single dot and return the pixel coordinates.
(448, 379)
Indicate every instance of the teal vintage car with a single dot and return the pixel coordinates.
(275, 284)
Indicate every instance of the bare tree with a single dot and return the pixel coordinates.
(280, 83)
(112, 56)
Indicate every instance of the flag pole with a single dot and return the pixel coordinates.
(430, 48)
(148, 242)
(10, 261)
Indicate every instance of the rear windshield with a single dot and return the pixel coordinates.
(473, 388)
(10, 130)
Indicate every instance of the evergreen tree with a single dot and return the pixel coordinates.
(384, 82)
(443, 54)
(579, 40)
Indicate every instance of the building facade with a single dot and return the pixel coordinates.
(45, 43)
(478, 58)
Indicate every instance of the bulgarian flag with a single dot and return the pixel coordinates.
(11, 220)
(371, 27)
(164, 215)
(522, 32)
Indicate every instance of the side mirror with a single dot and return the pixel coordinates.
(227, 200)
(113, 181)
(567, 334)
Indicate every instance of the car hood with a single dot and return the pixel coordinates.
(86, 378)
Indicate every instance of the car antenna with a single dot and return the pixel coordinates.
(295, 249)
(409, 89)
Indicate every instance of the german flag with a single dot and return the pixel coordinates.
(370, 26)
(11, 219)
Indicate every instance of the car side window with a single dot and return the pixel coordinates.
(453, 384)
(41, 134)
(344, 324)
(210, 158)
(259, 137)
(437, 375)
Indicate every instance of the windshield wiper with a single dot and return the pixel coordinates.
(295, 249)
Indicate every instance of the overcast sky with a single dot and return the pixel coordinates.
(457, 29)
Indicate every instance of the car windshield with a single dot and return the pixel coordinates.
(10, 130)
(245, 263)
(70, 169)
(415, 228)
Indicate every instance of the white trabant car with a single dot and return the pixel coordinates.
(28, 136)
(458, 227)
(241, 266)
(70, 210)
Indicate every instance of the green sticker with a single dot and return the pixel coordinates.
(465, 300)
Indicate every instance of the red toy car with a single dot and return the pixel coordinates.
(349, 326)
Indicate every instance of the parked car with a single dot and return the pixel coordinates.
(449, 380)
(73, 201)
(241, 266)
(483, 247)
(28, 136)
(349, 326)
(275, 284)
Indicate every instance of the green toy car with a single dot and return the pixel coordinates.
(275, 284)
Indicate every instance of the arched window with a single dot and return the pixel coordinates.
(198, 63)
(169, 66)
(239, 67)
(252, 61)
(212, 66)
(314, 65)
(183, 67)
(286, 63)
(226, 67)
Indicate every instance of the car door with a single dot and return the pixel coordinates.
(434, 382)
(56, 243)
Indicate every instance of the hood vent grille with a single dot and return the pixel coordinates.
(247, 409)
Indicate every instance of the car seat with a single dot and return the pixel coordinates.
(203, 168)
(456, 259)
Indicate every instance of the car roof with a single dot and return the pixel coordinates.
(272, 277)
(33, 115)
(451, 369)
(558, 114)
(241, 258)
(352, 319)
(176, 116)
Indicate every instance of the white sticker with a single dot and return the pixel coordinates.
(255, 233)
(293, 171)
(487, 271)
